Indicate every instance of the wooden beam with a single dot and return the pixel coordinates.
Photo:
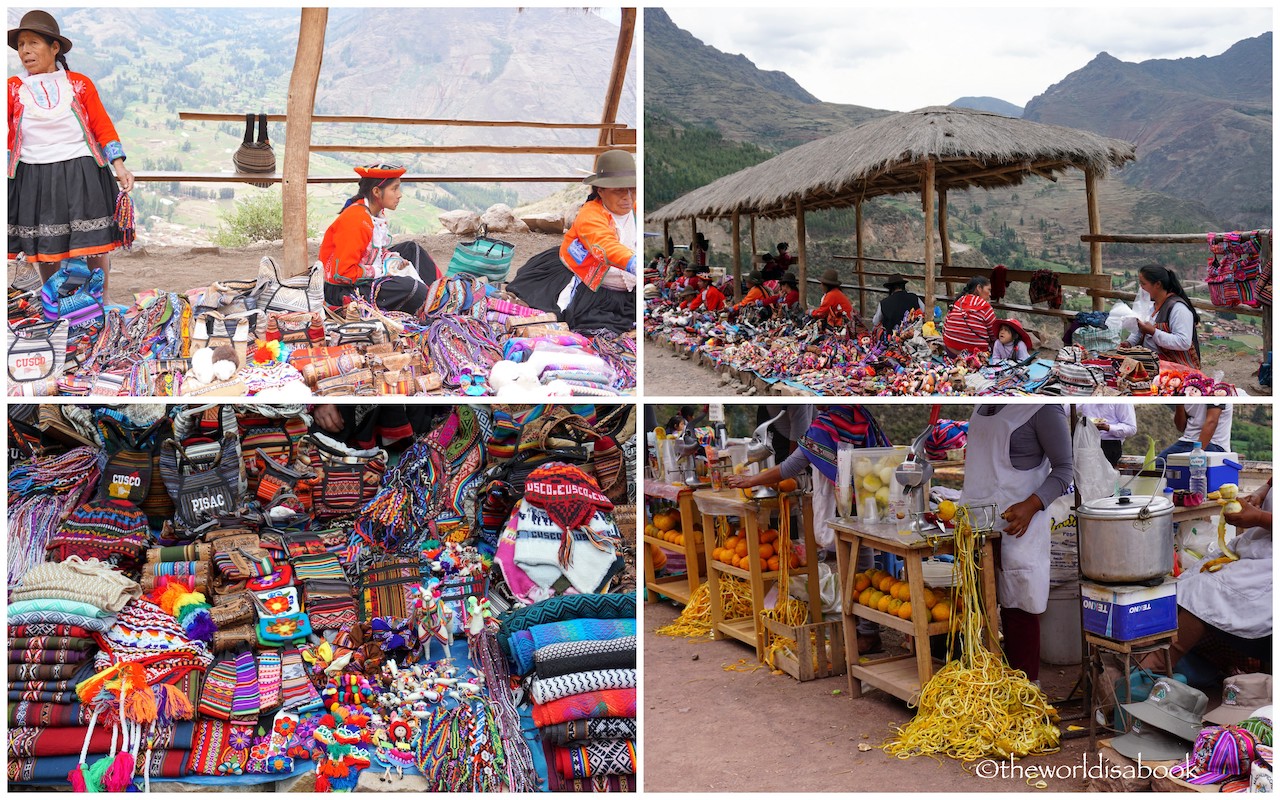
(693, 241)
(1095, 227)
(1203, 305)
(926, 191)
(942, 232)
(207, 116)
(276, 177)
(754, 248)
(862, 277)
(621, 55)
(802, 258)
(962, 274)
(467, 148)
(737, 259)
(666, 237)
(301, 104)
(1144, 238)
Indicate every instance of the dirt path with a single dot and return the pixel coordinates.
(668, 375)
(711, 730)
(180, 268)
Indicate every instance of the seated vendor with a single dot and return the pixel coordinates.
(836, 305)
(1171, 333)
(894, 307)
(357, 253)
(600, 248)
(770, 269)
(1236, 599)
(790, 290)
(757, 294)
(784, 258)
(708, 297)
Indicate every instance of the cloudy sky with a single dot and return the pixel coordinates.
(907, 58)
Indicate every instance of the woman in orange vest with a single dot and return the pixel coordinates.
(757, 293)
(357, 253)
(600, 249)
(66, 163)
(836, 306)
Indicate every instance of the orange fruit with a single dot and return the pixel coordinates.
(788, 485)
(904, 611)
(873, 601)
(886, 583)
(664, 521)
(941, 611)
(930, 599)
(883, 604)
(860, 583)
(865, 596)
(766, 550)
(732, 542)
(793, 560)
(741, 549)
(769, 537)
(680, 539)
(774, 565)
(894, 605)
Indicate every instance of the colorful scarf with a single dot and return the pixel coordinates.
(571, 606)
(41, 672)
(603, 783)
(853, 424)
(547, 689)
(44, 742)
(568, 631)
(60, 619)
(50, 643)
(47, 715)
(49, 656)
(50, 629)
(591, 705)
(565, 658)
(162, 764)
(603, 757)
(583, 730)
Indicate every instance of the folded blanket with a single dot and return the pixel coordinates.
(592, 705)
(90, 624)
(563, 658)
(583, 730)
(51, 643)
(570, 630)
(37, 696)
(93, 582)
(548, 689)
(48, 715)
(50, 629)
(601, 783)
(42, 742)
(602, 757)
(570, 606)
(56, 606)
(163, 764)
(49, 656)
(41, 672)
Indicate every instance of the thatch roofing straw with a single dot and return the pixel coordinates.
(886, 156)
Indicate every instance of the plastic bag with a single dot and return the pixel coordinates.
(1094, 475)
(1123, 318)
(1143, 305)
(1063, 551)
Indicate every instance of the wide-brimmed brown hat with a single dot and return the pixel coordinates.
(755, 277)
(41, 22)
(830, 277)
(895, 280)
(615, 169)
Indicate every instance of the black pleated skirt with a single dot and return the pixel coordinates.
(63, 210)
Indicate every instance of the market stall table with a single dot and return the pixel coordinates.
(896, 674)
(675, 586)
(730, 503)
(1125, 651)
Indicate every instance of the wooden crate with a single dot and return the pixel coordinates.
(827, 642)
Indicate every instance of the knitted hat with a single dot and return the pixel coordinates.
(566, 493)
(296, 689)
(1259, 724)
(114, 531)
(1221, 753)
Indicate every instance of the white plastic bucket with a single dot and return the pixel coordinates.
(1060, 626)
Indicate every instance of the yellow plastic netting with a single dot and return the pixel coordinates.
(976, 706)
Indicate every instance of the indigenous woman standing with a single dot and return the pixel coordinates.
(1171, 332)
(357, 253)
(63, 151)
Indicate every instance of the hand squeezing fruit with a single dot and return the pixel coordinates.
(1225, 497)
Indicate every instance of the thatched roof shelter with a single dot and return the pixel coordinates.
(931, 149)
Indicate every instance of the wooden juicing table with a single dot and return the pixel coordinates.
(679, 587)
(900, 676)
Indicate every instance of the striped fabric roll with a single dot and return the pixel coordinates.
(219, 690)
(269, 678)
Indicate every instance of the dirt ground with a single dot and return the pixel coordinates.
(180, 268)
(711, 730)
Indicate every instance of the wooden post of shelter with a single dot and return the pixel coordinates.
(926, 192)
(693, 241)
(755, 250)
(297, 146)
(621, 55)
(1095, 228)
(737, 259)
(666, 237)
(802, 260)
(862, 278)
(942, 234)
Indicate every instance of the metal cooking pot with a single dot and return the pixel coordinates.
(1126, 539)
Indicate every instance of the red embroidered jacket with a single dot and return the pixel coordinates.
(99, 134)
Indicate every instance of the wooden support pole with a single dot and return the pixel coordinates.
(926, 191)
(754, 248)
(621, 55)
(1095, 227)
(942, 233)
(862, 277)
(802, 259)
(737, 259)
(301, 104)
(666, 238)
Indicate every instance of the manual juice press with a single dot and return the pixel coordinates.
(752, 456)
(913, 475)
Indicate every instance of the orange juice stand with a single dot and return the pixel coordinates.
(679, 587)
(900, 676)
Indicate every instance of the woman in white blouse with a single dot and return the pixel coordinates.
(1171, 332)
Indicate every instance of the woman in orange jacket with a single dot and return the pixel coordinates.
(66, 163)
(836, 306)
(756, 293)
(357, 253)
(599, 248)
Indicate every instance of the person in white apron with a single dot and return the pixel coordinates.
(816, 452)
(1237, 598)
(1020, 495)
